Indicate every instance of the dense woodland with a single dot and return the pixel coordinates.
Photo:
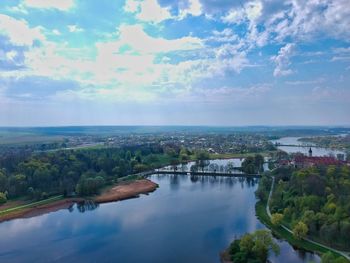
(81, 172)
(313, 201)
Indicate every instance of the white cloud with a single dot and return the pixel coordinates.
(123, 69)
(74, 29)
(19, 32)
(133, 36)
(56, 32)
(132, 6)
(194, 8)
(249, 14)
(282, 60)
(233, 16)
(251, 11)
(226, 35)
(148, 10)
(341, 50)
(62, 5)
(307, 20)
(340, 58)
(11, 55)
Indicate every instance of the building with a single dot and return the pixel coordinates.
(309, 161)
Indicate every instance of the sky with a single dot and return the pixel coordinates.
(174, 62)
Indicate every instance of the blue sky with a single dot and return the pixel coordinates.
(164, 62)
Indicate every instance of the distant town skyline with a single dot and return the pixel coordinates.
(167, 62)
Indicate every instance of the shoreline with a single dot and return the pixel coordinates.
(119, 192)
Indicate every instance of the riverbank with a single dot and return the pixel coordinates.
(263, 213)
(122, 191)
(37, 208)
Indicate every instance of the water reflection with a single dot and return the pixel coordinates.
(187, 219)
(87, 205)
(223, 166)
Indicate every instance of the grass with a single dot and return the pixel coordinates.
(260, 209)
(30, 205)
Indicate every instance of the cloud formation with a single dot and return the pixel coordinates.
(153, 51)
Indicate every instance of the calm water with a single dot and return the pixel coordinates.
(185, 220)
(316, 151)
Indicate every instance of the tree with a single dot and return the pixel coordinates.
(3, 181)
(263, 243)
(202, 159)
(259, 162)
(128, 156)
(247, 243)
(276, 219)
(3, 198)
(253, 247)
(300, 230)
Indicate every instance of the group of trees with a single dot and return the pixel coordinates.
(253, 248)
(315, 202)
(82, 171)
(253, 164)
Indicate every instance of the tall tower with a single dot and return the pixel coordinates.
(310, 152)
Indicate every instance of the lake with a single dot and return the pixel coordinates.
(187, 219)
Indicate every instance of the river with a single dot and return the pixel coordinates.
(303, 147)
(187, 219)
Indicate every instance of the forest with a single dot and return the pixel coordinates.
(313, 201)
(77, 172)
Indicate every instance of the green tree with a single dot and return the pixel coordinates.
(300, 230)
(263, 243)
(276, 219)
(259, 162)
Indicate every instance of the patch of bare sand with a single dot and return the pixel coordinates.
(126, 190)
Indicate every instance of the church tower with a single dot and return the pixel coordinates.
(310, 152)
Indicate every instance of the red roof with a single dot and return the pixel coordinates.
(318, 160)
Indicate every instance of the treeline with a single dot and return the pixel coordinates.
(316, 198)
(81, 172)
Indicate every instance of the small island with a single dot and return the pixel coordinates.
(252, 248)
